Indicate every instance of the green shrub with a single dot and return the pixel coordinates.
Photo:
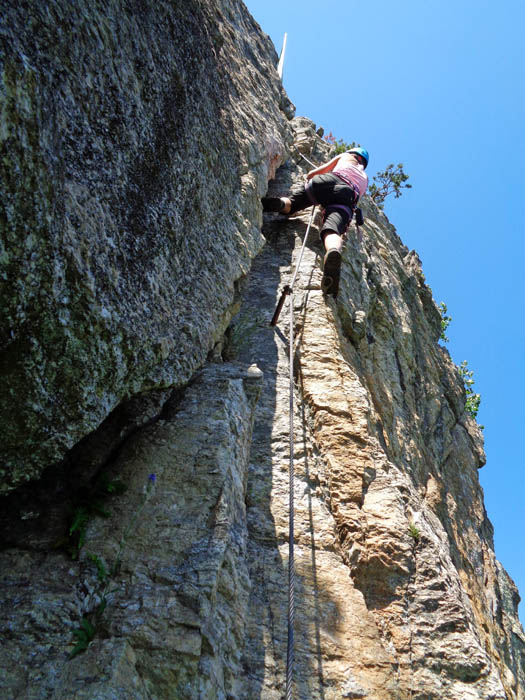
(339, 145)
(87, 630)
(473, 399)
(445, 321)
(414, 532)
(89, 503)
(391, 180)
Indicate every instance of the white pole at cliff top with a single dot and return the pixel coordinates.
(281, 58)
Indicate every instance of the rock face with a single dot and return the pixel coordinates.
(177, 603)
(177, 587)
(399, 592)
(134, 147)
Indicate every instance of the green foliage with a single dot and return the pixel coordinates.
(84, 635)
(86, 632)
(391, 180)
(110, 487)
(77, 530)
(102, 573)
(90, 503)
(339, 145)
(445, 321)
(414, 532)
(473, 399)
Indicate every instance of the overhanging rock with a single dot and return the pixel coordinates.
(135, 145)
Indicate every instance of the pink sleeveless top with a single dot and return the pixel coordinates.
(353, 175)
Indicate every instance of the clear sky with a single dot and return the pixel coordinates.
(439, 87)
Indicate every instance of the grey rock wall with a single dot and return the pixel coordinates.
(137, 286)
(384, 450)
(174, 548)
(135, 141)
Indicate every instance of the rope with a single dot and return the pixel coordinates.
(302, 250)
(291, 565)
(308, 161)
(288, 290)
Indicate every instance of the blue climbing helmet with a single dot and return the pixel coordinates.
(360, 152)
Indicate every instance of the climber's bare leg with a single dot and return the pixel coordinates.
(333, 240)
(287, 205)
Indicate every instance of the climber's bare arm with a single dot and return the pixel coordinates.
(325, 168)
(343, 160)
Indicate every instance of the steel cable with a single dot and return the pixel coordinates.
(291, 563)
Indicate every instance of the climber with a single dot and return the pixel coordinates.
(336, 186)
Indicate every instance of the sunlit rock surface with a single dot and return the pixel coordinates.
(177, 588)
(399, 592)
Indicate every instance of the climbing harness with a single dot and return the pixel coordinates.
(343, 207)
(309, 192)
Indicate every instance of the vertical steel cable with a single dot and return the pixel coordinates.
(291, 564)
(291, 567)
(288, 290)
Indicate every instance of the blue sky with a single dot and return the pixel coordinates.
(439, 87)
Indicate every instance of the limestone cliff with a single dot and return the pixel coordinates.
(137, 286)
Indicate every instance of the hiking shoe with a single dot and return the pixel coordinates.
(272, 204)
(331, 272)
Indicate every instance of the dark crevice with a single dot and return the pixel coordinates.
(36, 516)
(400, 371)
